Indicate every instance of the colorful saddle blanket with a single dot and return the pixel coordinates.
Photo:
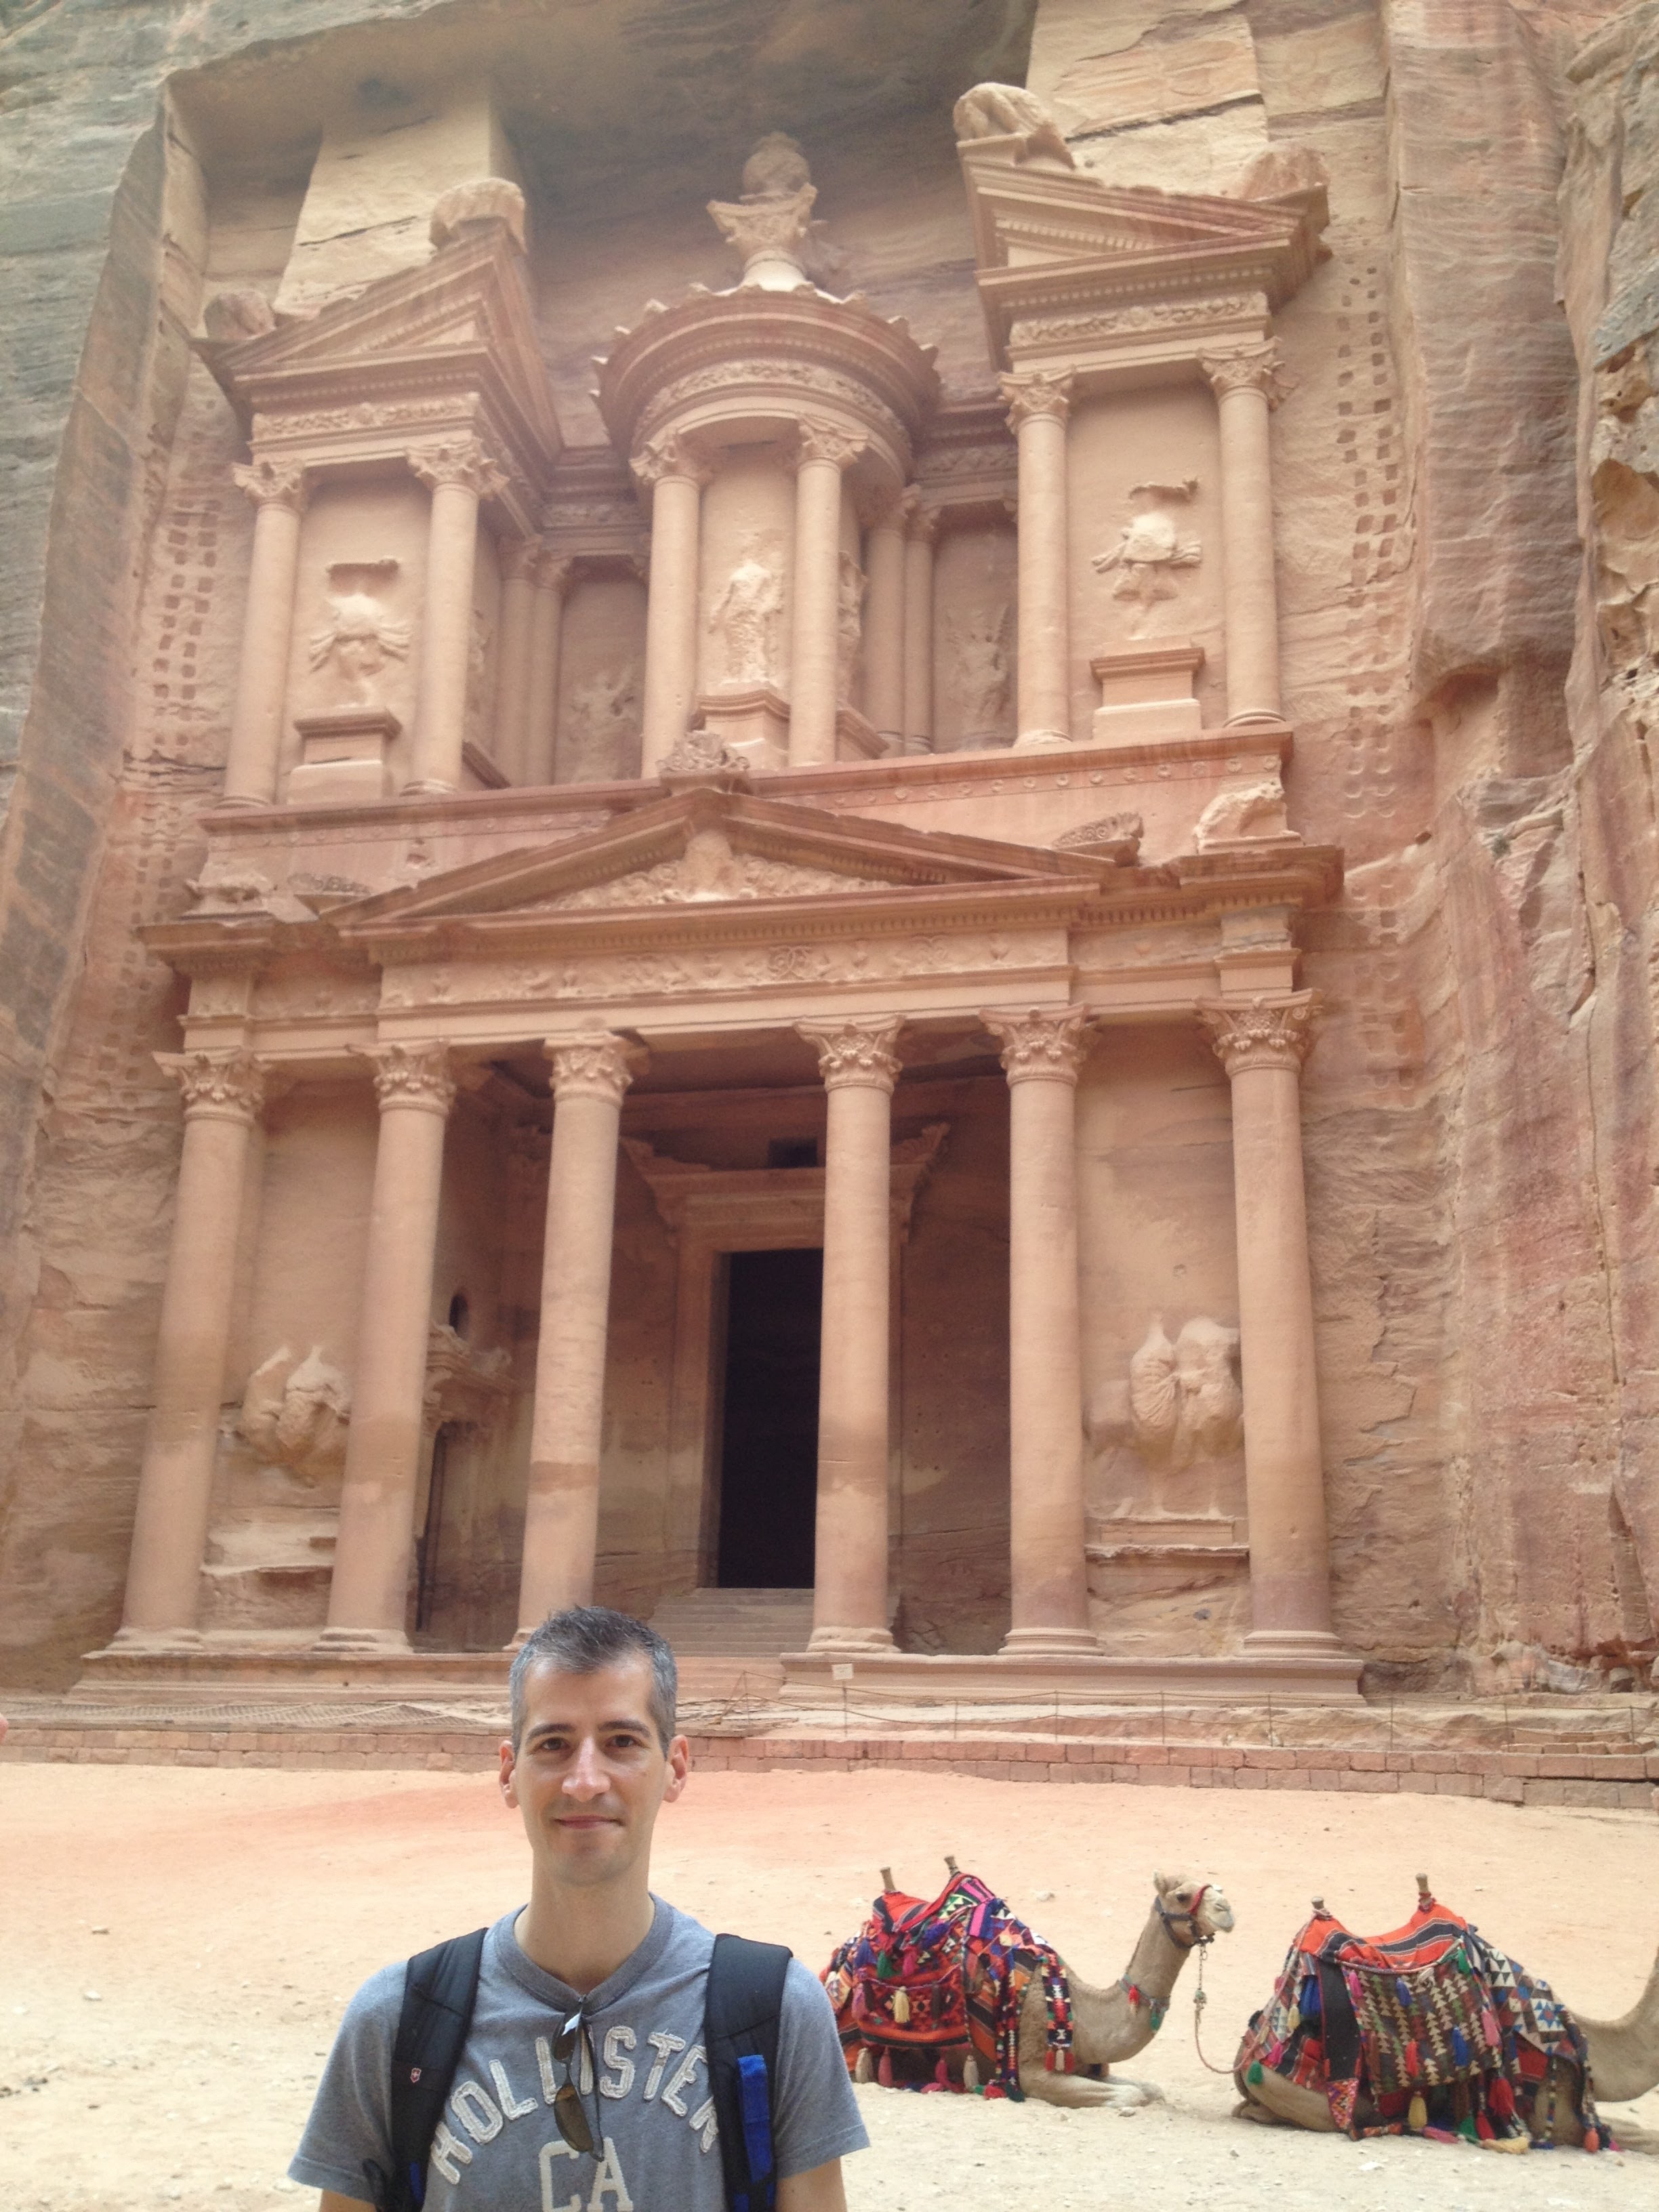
(921, 1983)
(1431, 2028)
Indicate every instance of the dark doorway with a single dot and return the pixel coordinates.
(770, 1454)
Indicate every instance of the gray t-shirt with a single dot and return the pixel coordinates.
(646, 2094)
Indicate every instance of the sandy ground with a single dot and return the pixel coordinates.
(176, 1947)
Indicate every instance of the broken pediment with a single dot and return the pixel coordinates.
(1057, 246)
(707, 848)
(450, 346)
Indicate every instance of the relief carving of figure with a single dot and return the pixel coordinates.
(746, 619)
(849, 625)
(1150, 550)
(1255, 810)
(602, 719)
(359, 639)
(295, 1412)
(1185, 1398)
(478, 681)
(980, 652)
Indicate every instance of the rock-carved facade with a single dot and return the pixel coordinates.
(822, 778)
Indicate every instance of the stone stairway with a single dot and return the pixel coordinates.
(736, 1624)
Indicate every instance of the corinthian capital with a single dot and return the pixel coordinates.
(856, 1053)
(520, 560)
(1046, 1044)
(1247, 368)
(819, 441)
(1033, 394)
(921, 517)
(457, 461)
(1265, 1033)
(227, 1085)
(554, 572)
(600, 1064)
(270, 482)
(675, 453)
(411, 1075)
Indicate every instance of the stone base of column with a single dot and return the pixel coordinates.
(1246, 715)
(851, 1640)
(383, 1641)
(1295, 1644)
(430, 787)
(1021, 1642)
(1042, 741)
(127, 1641)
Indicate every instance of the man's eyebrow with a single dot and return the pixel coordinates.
(567, 1727)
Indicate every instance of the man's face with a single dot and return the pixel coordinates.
(589, 1773)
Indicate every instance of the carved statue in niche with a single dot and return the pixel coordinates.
(746, 617)
(603, 717)
(849, 625)
(359, 639)
(478, 681)
(980, 647)
(295, 1412)
(1150, 550)
(1185, 1398)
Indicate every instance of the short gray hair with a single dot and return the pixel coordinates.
(585, 1637)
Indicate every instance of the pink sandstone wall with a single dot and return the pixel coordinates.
(1469, 684)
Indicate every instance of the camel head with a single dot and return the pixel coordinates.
(1193, 1911)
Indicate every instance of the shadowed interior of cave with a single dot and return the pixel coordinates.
(769, 1463)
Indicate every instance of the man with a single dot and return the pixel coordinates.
(590, 2003)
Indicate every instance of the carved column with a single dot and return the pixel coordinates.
(1038, 405)
(821, 454)
(884, 626)
(1041, 1052)
(223, 1093)
(553, 577)
(1247, 390)
(921, 531)
(277, 489)
(562, 1512)
(458, 474)
(372, 1554)
(1262, 1045)
(520, 562)
(675, 472)
(849, 1605)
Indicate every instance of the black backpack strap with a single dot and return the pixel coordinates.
(440, 1987)
(741, 2017)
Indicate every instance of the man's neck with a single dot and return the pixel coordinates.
(580, 1936)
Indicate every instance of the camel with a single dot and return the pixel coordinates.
(1623, 2064)
(1107, 2025)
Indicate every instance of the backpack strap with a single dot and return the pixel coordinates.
(741, 2017)
(440, 1987)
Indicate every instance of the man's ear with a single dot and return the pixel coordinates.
(509, 1763)
(679, 1768)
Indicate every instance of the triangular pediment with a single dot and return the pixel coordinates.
(706, 849)
(1049, 236)
(467, 311)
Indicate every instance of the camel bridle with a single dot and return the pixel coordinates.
(1196, 1940)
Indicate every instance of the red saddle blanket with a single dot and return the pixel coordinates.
(922, 1983)
(1428, 2029)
